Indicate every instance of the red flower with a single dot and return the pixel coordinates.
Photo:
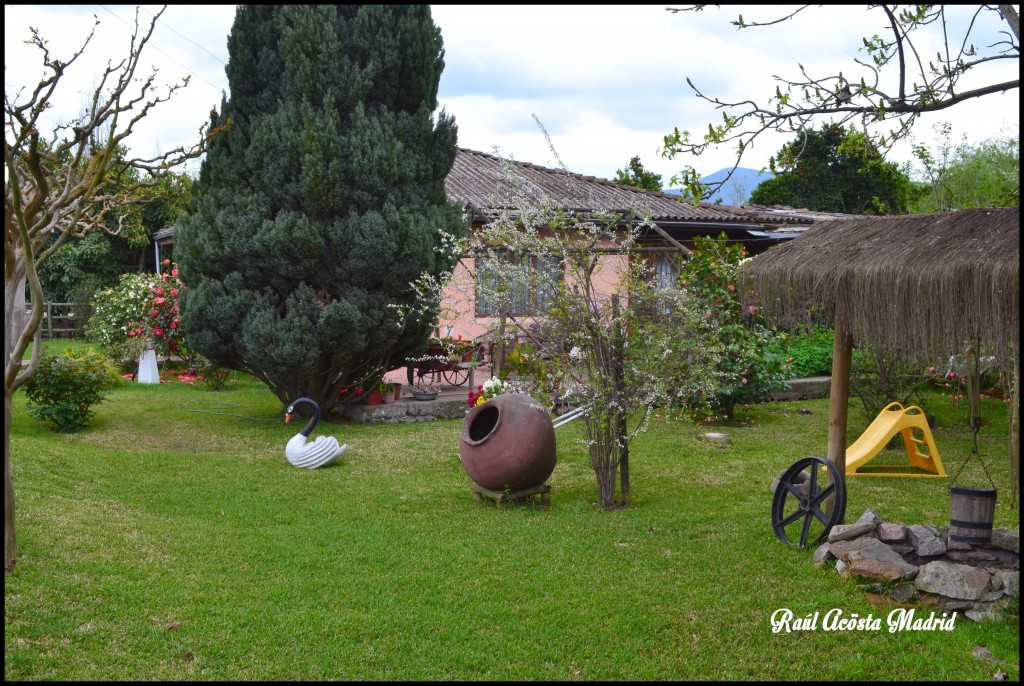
(174, 324)
(159, 333)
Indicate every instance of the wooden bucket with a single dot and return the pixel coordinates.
(971, 513)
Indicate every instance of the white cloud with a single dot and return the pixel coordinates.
(607, 81)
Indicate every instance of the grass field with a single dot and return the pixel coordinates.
(172, 541)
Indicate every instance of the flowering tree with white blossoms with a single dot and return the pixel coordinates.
(619, 352)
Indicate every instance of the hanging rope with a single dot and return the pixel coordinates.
(975, 452)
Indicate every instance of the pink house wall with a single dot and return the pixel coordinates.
(458, 308)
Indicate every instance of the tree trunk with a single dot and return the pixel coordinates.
(498, 351)
(18, 315)
(618, 353)
(606, 487)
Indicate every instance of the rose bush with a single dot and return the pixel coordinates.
(752, 365)
(117, 312)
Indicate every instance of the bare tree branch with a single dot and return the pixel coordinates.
(798, 103)
(61, 186)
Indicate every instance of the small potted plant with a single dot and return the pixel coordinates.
(425, 391)
(387, 392)
(373, 396)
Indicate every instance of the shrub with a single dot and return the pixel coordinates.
(752, 365)
(878, 378)
(63, 389)
(118, 311)
(160, 323)
(211, 375)
(810, 353)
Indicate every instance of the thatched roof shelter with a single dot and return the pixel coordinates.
(933, 283)
(920, 283)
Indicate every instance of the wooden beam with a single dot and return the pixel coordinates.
(678, 246)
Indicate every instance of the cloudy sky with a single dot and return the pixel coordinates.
(607, 81)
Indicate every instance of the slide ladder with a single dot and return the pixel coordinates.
(890, 421)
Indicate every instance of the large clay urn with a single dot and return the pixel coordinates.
(508, 442)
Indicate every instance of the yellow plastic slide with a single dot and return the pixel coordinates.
(890, 421)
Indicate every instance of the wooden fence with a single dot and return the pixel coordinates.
(59, 320)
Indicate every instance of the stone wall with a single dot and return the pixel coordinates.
(805, 389)
(443, 407)
(919, 565)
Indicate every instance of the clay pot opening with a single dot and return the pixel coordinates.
(483, 424)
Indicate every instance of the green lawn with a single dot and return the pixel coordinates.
(171, 540)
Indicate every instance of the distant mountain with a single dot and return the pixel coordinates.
(737, 190)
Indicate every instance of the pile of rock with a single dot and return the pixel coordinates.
(920, 565)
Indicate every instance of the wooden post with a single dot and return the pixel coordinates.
(839, 398)
(974, 381)
(1014, 378)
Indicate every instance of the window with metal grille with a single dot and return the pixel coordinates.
(666, 271)
(528, 290)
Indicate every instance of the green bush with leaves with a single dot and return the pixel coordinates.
(752, 365)
(65, 387)
(809, 353)
(211, 376)
(878, 378)
(118, 312)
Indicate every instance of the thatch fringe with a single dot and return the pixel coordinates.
(919, 284)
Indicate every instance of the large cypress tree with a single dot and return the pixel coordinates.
(324, 198)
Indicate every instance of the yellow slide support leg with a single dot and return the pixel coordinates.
(913, 425)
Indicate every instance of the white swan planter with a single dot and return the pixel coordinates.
(321, 452)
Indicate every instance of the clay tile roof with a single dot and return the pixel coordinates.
(477, 180)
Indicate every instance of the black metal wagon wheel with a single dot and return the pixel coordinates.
(809, 500)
